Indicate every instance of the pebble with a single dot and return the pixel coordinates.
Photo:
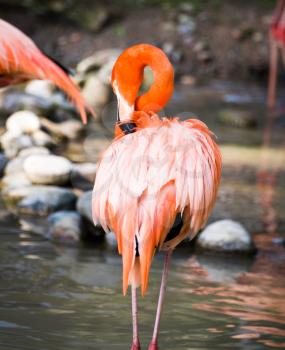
(43, 200)
(12, 143)
(42, 139)
(23, 122)
(70, 129)
(64, 227)
(47, 169)
(3, 163)
(84, 207)
(226, 236)
(97, 60)
(95, 92)
(41, 88)
(83, 176)
(14, 180)
(16, 165)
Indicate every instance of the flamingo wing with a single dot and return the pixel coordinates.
(21, 60)
(146, 179)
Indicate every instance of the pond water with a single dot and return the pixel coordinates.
(54, 297)
(58, 298)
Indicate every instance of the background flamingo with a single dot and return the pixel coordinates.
(157, 182)
(277, 43)
(21, 60)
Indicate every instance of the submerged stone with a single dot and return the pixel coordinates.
(43, 200)
(64, 227)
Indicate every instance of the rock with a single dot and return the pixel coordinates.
(23, 122)
(57, 107)
(226, 236)
(43, 200)
(42, 139)
(111, 240)
(15, 180)
(64, 227)
(98, 60)
(16, 100)
(47, 169)
(36, 150)
(41, 88)
(83, 176)
(12, 143)
(16, 165)
(95, 92)
(237, 118)
(3, 163)
(84, 207)
(70, 129)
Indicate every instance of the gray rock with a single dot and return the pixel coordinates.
(16, 165)
(36, 150)
(42, 139)
(3, 163)
(70, 129)
(13, 101)
(12, 143)
(95, 92)
(41, 88)
(105, 72)
(111, 240)
(84, 207)
(64, 227)
(57, 107)
(15, 180)
(99, 59)
(43, 200)
(23, 122)
(83, 176)
(47, 169)
(226, 236)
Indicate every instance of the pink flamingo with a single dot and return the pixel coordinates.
(157, 182)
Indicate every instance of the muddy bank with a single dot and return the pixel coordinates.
(203, 39)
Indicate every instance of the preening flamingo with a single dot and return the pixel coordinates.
(21, 60)
(276, 42)
(157, 182)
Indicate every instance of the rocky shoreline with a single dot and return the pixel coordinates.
(49, 193)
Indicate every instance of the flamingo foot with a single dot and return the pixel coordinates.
(153, 346)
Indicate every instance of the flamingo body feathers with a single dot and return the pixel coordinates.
(146, 178)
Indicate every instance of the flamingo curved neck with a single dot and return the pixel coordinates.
(127, 77)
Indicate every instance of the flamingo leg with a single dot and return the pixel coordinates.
(136, 342)
(154, 342)
(272, 73)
